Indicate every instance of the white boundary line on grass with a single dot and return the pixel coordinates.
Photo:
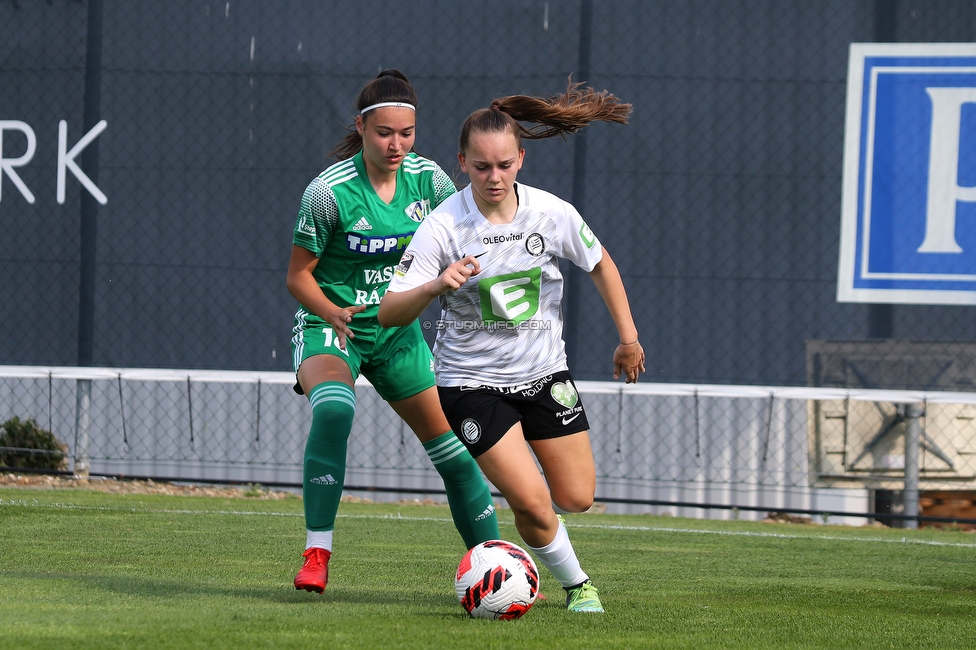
(652, 529)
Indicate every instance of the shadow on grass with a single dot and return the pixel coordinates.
(285, 593)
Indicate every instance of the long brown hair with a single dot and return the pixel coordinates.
(552, 116)
(388, 86)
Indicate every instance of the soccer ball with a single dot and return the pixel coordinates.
(496, 579)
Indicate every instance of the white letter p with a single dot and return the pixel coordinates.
(944, 189)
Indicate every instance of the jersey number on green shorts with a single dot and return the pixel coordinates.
(333, 340)
(510, 298)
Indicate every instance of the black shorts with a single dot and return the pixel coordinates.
(548, 407)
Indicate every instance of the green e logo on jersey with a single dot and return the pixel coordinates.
(587, 235)
(511, 298)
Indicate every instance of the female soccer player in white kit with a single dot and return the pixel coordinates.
(490, 254)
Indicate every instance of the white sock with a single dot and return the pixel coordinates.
(318, 539)
(559, 557)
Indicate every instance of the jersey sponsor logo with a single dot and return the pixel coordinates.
(378, 276)
(404, 265)
(418, 210)
(530, 390)
(306, 225)
(501, 239)
(362, 224)
(570, 414)
(511, 298)
(377, 245)
(374, 276)
(368, 297)
(587, 235)
(471, 430)
(535, 244)
(564, 393)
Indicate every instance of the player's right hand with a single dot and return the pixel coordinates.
(459, 272)
(340, 319)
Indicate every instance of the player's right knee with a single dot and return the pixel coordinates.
(333, 409)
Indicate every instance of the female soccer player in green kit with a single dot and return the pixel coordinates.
(490, 254)
(356, 219)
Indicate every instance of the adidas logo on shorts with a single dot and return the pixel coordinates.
(324, 480)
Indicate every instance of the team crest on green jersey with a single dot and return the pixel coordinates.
(418, 210)
(511, 298)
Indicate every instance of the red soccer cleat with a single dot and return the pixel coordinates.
(314, 573)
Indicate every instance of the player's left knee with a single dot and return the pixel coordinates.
(573, 502)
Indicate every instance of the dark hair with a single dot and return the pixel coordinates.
(388, 86)
(553, 115)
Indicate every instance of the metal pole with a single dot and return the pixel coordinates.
(82, 428)
(89, 206)
(881, 317)
(913, 435)
(573, 274)
(89, 217)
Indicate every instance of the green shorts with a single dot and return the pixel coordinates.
(395, 360)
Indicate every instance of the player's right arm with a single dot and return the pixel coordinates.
(425, 271)
(404, 307)
(302, 284)
(317, 220)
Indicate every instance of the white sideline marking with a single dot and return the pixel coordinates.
(654, 529)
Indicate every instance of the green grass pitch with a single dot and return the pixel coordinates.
(82, 569)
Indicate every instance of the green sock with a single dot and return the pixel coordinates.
(333, 407)
(467, 493)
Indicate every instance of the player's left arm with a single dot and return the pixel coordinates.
(628, 358)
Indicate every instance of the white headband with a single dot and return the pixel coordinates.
(384, 104)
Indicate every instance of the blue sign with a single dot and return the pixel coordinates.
(908, 218)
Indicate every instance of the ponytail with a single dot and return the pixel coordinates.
(552, 116)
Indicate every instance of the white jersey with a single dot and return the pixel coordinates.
(504, 326)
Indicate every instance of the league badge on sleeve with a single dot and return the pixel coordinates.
(404, 265)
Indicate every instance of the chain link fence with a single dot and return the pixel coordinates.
(153, 157)
(837, 454)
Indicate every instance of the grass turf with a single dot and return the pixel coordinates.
(92, 570)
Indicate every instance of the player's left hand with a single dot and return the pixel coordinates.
(629, 360)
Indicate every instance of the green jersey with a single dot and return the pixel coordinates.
(357, 237)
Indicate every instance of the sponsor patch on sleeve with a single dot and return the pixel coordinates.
(587, 235)
(404, 265)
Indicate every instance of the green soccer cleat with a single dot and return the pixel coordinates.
(584, 598)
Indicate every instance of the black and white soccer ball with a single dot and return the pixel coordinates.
(497, 579)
